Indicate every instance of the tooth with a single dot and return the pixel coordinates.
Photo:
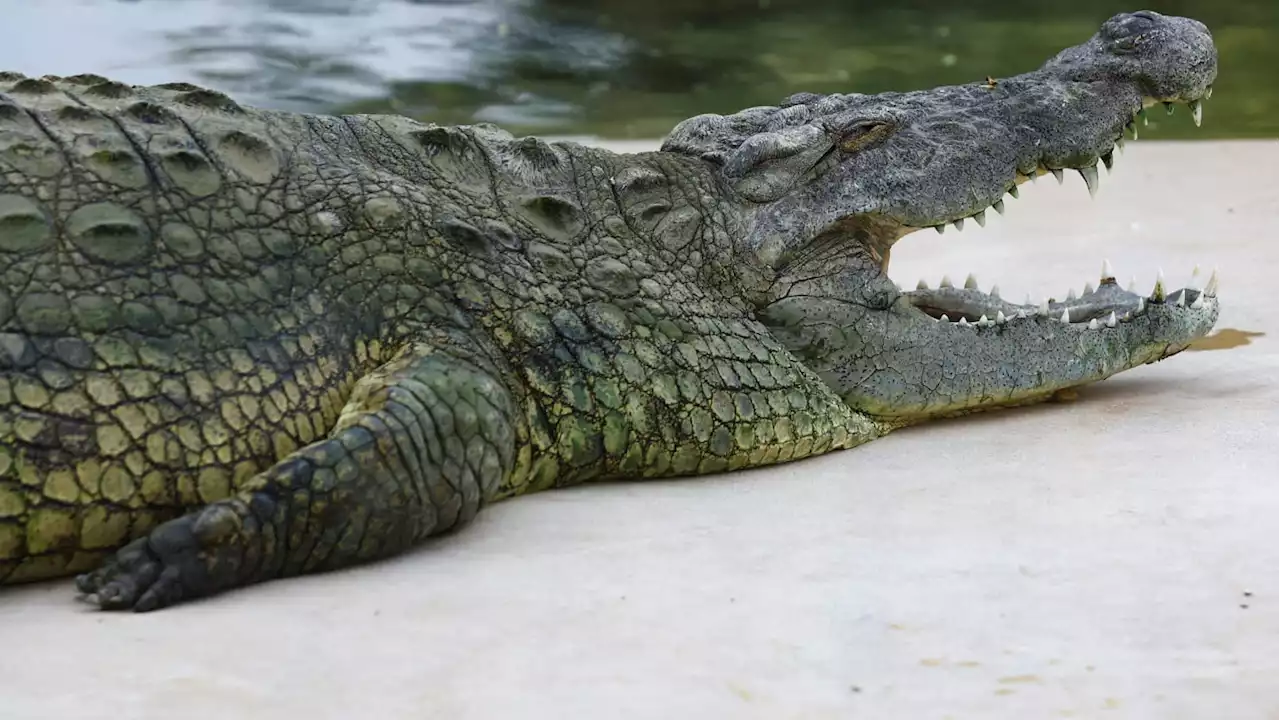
(964, 322)
(1208, 92)
(971, 282)
(1108, 160)
(1182, 299)
(1107, 272)
(1197, 111)
(1168, 108)
(1000, 318)
(995, 292)
(1120, 143)
(1127, 317)
(983, 320)
(939, 228)
(922, 285)
(1093, 323)
(1013, 191)
(1133, 130)
(1027, 300)
(980, 217)
(1071, 294)
(1088, 288)
(897, 287)
(1195, 275)
(998, 206)
(1090, 175)
(1066, 315)
(1157, 295)
(1044, 307)
(944, 318)
(1133, 285)
(959, 224)
(1198, 302)
(1057, 174)
(1142, 113)
(1211, 289)
(1021, 314)
(946, 282)
(1142, 304)
(1111, 319)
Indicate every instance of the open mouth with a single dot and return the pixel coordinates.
(1104, 306)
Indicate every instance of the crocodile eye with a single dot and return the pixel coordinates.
(864, 134)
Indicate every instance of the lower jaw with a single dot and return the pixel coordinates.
(1107, 305)
(971, 351)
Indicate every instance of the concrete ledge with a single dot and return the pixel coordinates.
(1111, 557)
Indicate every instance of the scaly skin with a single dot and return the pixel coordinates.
(238, 345)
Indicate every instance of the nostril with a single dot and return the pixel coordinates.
(1127, 25)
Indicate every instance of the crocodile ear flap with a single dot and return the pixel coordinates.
(767, 165)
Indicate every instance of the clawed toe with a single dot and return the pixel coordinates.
(184, 558)
(121, 580)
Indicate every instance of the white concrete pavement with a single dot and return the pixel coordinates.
(1111, 557)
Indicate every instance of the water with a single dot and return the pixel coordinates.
(613, 68)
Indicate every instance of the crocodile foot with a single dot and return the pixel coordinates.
(185, 558)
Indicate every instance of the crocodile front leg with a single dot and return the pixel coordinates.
(423, 443)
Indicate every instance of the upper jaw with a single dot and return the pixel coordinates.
(1084, 162)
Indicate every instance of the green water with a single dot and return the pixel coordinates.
(613, 68)
(678, 59)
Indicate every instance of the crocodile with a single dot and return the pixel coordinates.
(239, 345)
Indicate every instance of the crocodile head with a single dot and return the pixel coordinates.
(827, 184)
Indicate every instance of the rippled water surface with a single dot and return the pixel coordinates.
(618, 68)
